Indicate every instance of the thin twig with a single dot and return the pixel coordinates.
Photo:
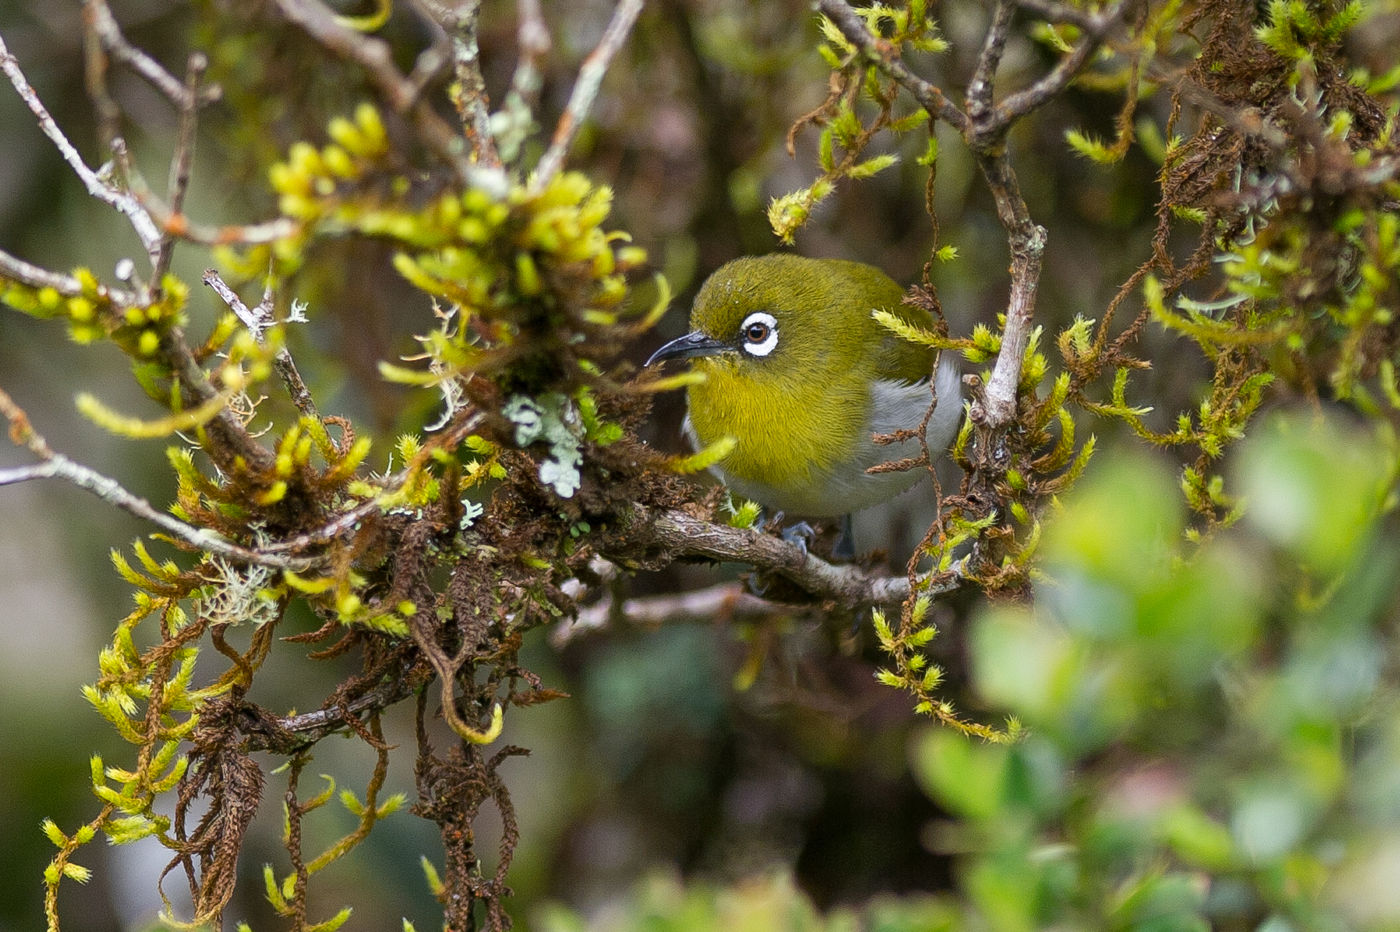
(434, 60)
(54, 465)
(590, 77)
(181, 160)
(1017, 105)
(16, 269)
(532, 39)
(104, 26)
(122, 201)
(1052, 11)
(181, 226)
(257, 320)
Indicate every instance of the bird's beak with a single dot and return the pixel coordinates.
(692, 344)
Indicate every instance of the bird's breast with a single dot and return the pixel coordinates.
(804, 448)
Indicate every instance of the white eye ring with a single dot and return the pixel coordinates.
(759, 333)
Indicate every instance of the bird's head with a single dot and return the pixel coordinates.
(781, 319)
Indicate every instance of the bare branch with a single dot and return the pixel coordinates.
(182, 160)
(1052, 11)
(590, 77)
(434, 60)
(122, 201)
(180, 226)
(980, 88)
(103, 26)
(1017, 105)
(722, 601)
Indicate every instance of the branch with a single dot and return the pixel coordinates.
(532, 38)
(58, 466)
(984, 129)
(263, 732)
(103, 25)
(979, 89)
(182, 161)
(122, 201)
(17, 269)
(468, 92)
(257, 320)
(1052, 11)
(718, 602)
(1032, 98)
(645, 534)
(54, 465)
(590, 76)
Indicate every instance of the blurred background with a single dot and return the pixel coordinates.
(715, 750)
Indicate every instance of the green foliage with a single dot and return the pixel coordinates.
(535, 298)
(858, 86)
(744, 514)
(1247, 676)
(665, 904)
(1294, 29)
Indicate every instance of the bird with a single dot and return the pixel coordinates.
(802, 377)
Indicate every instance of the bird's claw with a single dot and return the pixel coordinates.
(800, 534)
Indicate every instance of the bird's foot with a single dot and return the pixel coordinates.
(800, 534)
(764, 519)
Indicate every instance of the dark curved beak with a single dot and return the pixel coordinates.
(692, 344)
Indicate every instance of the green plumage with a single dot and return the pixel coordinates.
(802, 414)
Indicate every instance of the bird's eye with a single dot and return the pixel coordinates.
(760, 333)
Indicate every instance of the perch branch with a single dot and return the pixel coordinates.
(671, 535)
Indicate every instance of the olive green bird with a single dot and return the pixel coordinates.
(801, 375)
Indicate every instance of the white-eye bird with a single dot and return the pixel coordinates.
(801, 375)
